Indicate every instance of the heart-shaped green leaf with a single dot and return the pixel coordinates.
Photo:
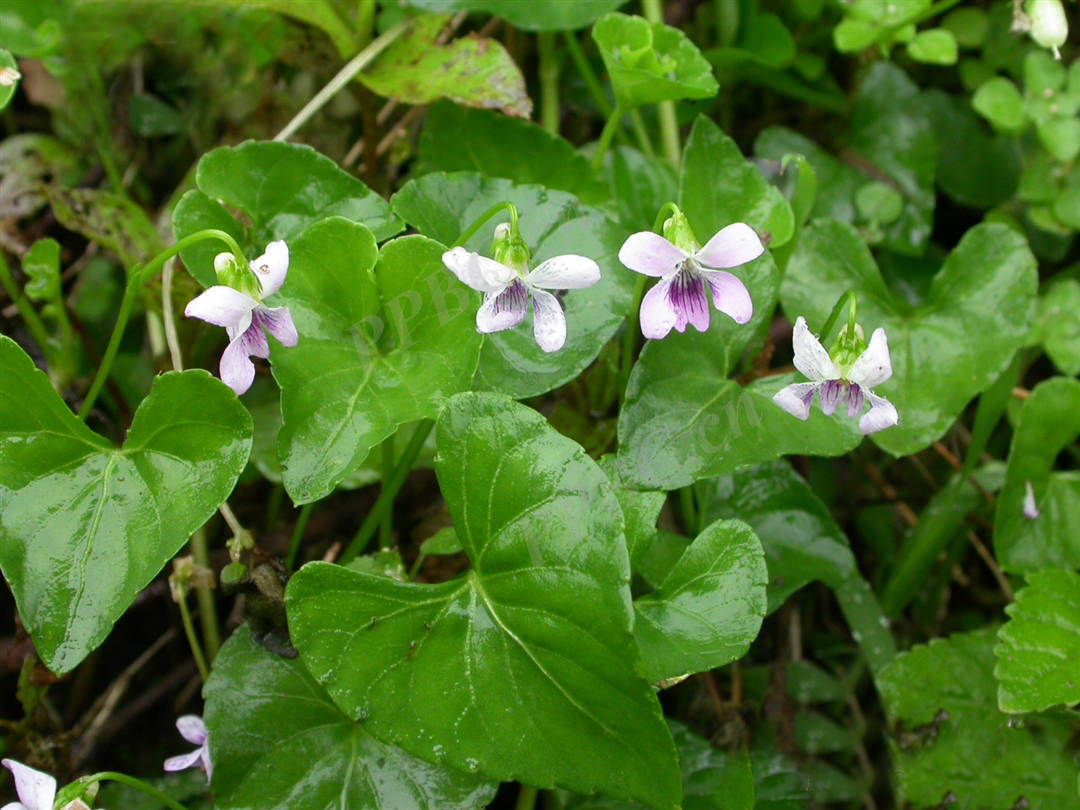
(640, 509)
(378, 348)
(709, 608)
(1049, 421)
(1038, 654)
(525, 659)
(553, 223)
(640, 185)
(977, 314)
(86, 525)
(651, 62)
(278, 742)
(1057, 327)
(535, 15)
(281, 188)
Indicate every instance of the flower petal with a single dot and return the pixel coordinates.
(221, 306)
(796, 398)
(207, 765)
(687, 294)
(882, 414)
(183, 761)
(236, 369)
(736, 244)
(855, 399)
(829, 396)
(651, 254)
(1030, 508)
(810, 356)
(476, 271)
(279, 323)
(657, 315)
(192, 728)
(36, 789)
(549, 322)
(568, 272)
(729, 295)
(503, 310)
(874, 365)
(271, 267)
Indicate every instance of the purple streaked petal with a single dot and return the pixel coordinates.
(729, 295)
(855, 399)
(221, 306)
(651, 254)
(1030, 508)
(796, 398)
(882, 414)
(35, 789)
(207, 765)
(568, 272)
(736, 244)
(657, 316)
(476, 271)
(503, 310)
(236, 369)
(810, 356)
(279, 323)
(549, 322)
(874, 365)
(687, 294)
(192, 728)
(183, 761)
(271, 267)
(829, 396)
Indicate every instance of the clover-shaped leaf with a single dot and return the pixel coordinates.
(523, 668)
(87, 525)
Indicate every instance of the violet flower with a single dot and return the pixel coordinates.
(238, 307)
(686, 270)
(36, 790)
(193, 729)
(508, 285)
(1030, 508)
(836, 383)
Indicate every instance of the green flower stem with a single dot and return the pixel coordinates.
(136, 277)
(592, 84)
(848, 300)
(626, 361)
(298, 535)
(200, 553)
(689, 511)
(668, 209)
(343, 77)
(606, 135)
(193, 641)
(669, 122)
(526, 798)
(138, 784)
(386, 526)
(467, 234)
(642, 134)
(30, 317)
(390, 489)
(549, 82)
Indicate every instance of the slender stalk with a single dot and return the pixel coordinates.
(298, 535)
(641, 133)
(606, 136)
(869, 626)
(630, 336)
(526, 798)
(235, 526)
(172, 340)
(549, 82)
(669, 122)
(100, 97)
(467, 234)
(30, 317)
(343, 77)
(138, 784)
(592, 84)
(390, 489)
(386, 525)
(273, 506)
(193, 641)
(848, 300)
(689, 511)
(200, 553)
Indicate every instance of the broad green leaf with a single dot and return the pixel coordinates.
(709, 608)
(719, 186)
(114, 222)
(1000, 103)
(978, 312)
(1057, 326)
(767, 40)
(87, 525)
(934, 46)
(1038, 654)
(281, 188)
(472, 70)
(525, 657)
(1049, 421)
(320, 13)
(278, 742)
(41, 264)
(378, 348)
(553, 223)
(640, 508)
(651, 62)
(639, 186)
(457, 138)
(535, 15)
(9, 71)
(948, 734)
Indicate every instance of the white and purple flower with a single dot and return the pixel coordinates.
(36, 790)
(193, 729)
(834, 384)
(508, 285)
(680, 296)
(244, 316)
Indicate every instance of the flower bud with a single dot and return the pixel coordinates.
(223, 261)
(8, 76)
(1049, 27)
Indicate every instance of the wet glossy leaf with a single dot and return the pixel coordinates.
(553, 223)
(941, 699)
(278, 742)
(535, 15)
(87, 525)
(114, 222)
(708, 609)
(639, 186)
(1057, 327)
(640, 509)
(378, 348)
(977, 314)
(651, 62)
(281, 188)
(11, 82)
(1038, 654)
(1049, 421)
(533, 644)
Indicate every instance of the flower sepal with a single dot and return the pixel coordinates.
(677, 230)
(234, 272)
(83, 790)
(848, 348)
(509, 249)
